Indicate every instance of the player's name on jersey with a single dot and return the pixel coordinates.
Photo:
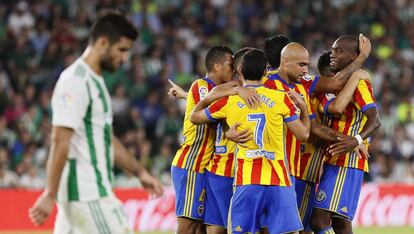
(269, 102)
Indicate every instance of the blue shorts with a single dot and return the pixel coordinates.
(305, 195)
(278, 204)
(190, 192)
(219, 190)
(339, 190)
(263, 219)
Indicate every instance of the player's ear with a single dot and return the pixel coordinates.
(217, 67)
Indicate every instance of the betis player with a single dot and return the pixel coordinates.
(83, 148)
(338, 192)
(262, 182)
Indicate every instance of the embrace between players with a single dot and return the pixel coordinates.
(268, 147)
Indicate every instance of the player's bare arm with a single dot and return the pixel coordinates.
(300, 127)
(58, 155)
(198, 116)
(335, 84)
(338, 105)
(176, 91)
(127, 162)
(372, 124)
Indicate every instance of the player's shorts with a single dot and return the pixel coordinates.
(278, 204)
(305, 195)
(263, 219)
(190, 192)
(219, 190)
(339, 190)
(103, 216)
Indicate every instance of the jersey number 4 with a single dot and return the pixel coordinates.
(260, 120)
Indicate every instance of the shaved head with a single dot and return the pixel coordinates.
(294, 61)
(293, 51)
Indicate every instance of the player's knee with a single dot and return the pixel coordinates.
(188, 226)
(316, 223)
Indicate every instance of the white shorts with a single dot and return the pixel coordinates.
(103, 216)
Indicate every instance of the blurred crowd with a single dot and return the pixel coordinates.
(39, 38)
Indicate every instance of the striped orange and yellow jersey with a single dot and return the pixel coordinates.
(273, 81)
(222, 163)
(262, 160)
(198, 140)
(313, 151)
(351, 123)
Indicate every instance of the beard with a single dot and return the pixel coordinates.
(107, 64)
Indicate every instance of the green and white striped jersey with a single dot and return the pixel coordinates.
(81, 102)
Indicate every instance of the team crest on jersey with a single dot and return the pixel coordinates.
(329, 96)
(321, 196)
(200, 210)
(203, 91)
(307, 77)
(67, 99)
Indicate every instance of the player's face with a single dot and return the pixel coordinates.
(341, 56)
(297, 68)
(226, 69)
(116, 54)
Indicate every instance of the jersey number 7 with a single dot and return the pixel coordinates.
(260, 120)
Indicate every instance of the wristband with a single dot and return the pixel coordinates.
(359, 139)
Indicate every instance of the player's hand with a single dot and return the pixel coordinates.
(362, 152)
(298, 100)
(364, 45)
(152, 185)
(41, 209)
(239, 137)
(344, 145)
(176, 91)
(249, 96)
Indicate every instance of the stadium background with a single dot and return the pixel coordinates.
(39, 38)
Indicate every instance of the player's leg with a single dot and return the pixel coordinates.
(327, 198)
(346, 209)
(304, 197)
(62, 222)
(219, 190)
(341, 225)
(189, 189)
(111, 211)
(247, 205)
(282, 210)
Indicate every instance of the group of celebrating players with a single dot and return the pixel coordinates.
(268, 147)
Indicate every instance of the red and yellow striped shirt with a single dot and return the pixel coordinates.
(198, 140)
(351, 123)
(273, 81)
(222, 163)
(262, 160)
(313, 152)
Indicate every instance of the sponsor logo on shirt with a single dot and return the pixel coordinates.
(260, 153)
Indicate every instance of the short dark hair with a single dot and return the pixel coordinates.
(273, 47)
(216, 55)
(253, 64)
(352, 42)
(239, 55)
(114, 26)
(324, 63)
